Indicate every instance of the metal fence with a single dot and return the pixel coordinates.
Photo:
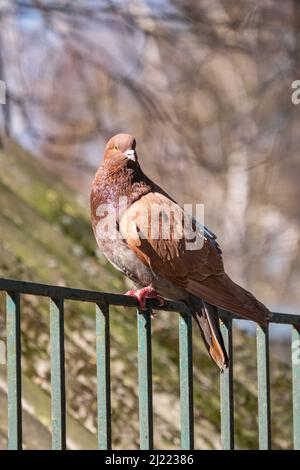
(102, 301)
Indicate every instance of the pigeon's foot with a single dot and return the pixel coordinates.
(146, 293)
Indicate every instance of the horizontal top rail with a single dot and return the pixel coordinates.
(52, 291)
(84, 295)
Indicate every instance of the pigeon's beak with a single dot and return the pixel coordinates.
(131, 154)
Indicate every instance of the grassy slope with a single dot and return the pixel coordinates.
(45, 236)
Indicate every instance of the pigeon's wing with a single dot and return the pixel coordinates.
(175, 246)
(168, 239)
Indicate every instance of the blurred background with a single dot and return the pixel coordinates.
(206, 89)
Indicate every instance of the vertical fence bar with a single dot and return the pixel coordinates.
(226, 389)
(263, 383)
(145, 378)
(186, 381)
(58, 400)
(103, 377)
(14, 371)
(296, 385)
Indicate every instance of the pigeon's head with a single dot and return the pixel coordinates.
(121, 149)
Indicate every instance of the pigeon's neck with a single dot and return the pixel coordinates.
(122, 182)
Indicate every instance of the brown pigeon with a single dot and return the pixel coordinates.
(146, 235)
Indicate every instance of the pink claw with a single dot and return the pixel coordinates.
(146, 293)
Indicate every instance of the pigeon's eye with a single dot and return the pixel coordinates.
(116, 148)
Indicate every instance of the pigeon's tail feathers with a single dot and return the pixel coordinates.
(208, 322)
(222, 292)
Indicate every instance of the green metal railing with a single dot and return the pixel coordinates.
(102, 301)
